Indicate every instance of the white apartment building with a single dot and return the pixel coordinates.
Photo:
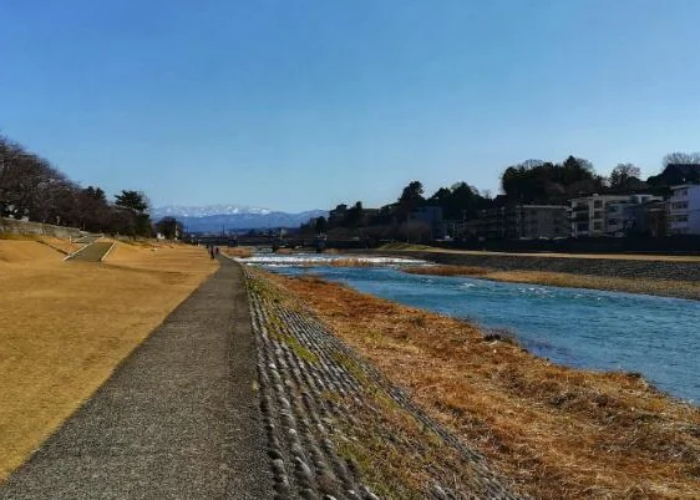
(604, 215)
(684, 210)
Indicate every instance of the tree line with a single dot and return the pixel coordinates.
(33, 189)
(528, 182)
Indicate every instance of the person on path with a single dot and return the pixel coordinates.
(211, 252)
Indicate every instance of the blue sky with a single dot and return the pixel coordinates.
(300, 104)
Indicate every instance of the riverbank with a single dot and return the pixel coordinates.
(556, 432)
(337, 428)
(662, 288)
(663, 276)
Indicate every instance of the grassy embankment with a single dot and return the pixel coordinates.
(668, 288)
(411, 247)
(640, 284)
(557, 432)
(66, 325)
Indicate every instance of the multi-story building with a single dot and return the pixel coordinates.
(648, 219)
(604, 215)
(531, 222)
(684, 209)
(430, 216)
(519, 222)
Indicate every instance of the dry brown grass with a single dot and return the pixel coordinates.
(350, 262)
(240, 252)
(668, 288)
(412, 247)
(26, 252)
(62, 245)
(613, 256)
(447, 270)
(66, 325)
(557, 432)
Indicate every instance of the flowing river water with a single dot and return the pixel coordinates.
(655, 336)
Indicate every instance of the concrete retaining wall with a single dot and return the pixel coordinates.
(13, 226)
(679, 271)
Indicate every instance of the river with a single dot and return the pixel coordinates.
(655, 336)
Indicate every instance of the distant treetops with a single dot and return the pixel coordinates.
(529, 182)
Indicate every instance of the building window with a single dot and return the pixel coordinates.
(597, 226)
(597, 204)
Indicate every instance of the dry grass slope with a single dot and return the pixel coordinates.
(667, 288)
(66, 325)
(558, 432)
(598, 256)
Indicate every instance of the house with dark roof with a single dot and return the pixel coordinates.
(676, 174)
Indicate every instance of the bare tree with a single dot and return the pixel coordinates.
(679, 158)
(622, 174)
(31, 187)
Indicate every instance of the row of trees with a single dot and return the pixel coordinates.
(32, 188)
(529, 182)
(537, 181)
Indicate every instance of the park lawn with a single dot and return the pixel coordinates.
(65, 326)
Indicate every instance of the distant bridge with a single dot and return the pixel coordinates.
(275, 242)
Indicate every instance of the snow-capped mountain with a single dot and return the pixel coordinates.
(181, 211)
(215, 218)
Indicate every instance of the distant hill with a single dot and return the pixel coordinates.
(215, 218)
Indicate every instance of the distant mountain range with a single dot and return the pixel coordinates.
(215, 218)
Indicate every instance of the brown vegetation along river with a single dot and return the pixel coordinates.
(648, 286)
(556, 432)
(663, 276)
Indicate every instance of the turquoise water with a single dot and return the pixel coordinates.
(658, 337)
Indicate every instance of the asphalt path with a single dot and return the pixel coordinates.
(94, 252)
(179, 418)
(90, 238)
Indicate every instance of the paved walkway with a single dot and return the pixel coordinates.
(90, 238)
(178, 419)
(93, 252)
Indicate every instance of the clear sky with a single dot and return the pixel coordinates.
(301, 104)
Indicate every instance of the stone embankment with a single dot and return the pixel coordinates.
(26, 228)
(619, 268)
(336, 428)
